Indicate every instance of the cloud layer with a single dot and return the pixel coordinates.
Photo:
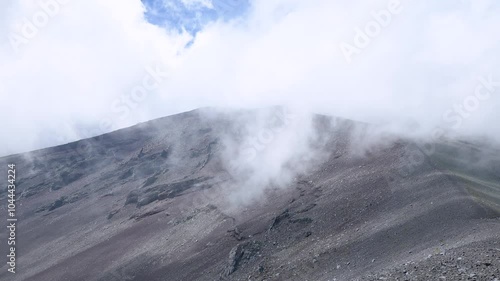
(71, 69)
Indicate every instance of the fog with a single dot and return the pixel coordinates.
(73, 69)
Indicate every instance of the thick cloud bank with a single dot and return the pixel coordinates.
(72, 68)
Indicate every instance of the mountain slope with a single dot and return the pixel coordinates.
(150, 202)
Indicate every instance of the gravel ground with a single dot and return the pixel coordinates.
(478, 261)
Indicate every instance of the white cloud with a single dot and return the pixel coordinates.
(91, 53)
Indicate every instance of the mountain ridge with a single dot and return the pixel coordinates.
(153, 202)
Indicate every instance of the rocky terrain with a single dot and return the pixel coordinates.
(150, 202)
(478, 261)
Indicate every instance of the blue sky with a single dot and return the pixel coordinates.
(192, 15)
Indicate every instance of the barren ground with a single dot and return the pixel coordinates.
(142, 205)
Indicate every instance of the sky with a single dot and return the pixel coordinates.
(71, 69)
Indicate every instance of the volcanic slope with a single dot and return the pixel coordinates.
(150, 202)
